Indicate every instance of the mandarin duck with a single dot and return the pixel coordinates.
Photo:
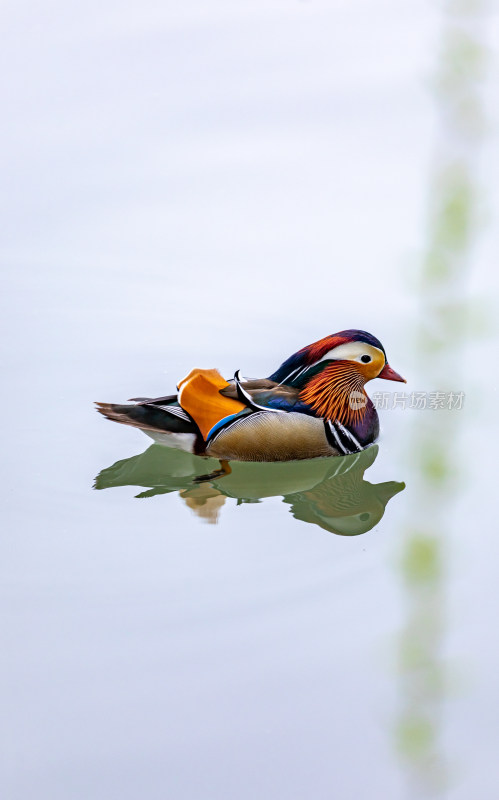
(313, 405)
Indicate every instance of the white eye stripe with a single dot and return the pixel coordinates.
(352, 351)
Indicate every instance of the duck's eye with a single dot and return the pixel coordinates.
(365, 359)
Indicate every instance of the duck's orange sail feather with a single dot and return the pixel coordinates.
(199, 395)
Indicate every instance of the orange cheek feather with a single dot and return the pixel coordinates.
(329, 392)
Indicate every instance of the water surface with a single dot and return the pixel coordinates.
(217, 187)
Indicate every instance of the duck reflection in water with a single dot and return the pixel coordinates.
(329, 492)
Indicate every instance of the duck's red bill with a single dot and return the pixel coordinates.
(389, 374)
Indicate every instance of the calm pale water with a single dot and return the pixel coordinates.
(217, 185)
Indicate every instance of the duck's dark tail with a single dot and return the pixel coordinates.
(169, 418)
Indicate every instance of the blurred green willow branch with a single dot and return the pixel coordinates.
(453, 222)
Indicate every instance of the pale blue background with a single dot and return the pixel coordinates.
(219, 184)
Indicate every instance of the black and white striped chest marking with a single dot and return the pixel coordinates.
(341, 438)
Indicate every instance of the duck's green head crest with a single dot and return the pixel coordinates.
(361, 349)
(332, 372)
